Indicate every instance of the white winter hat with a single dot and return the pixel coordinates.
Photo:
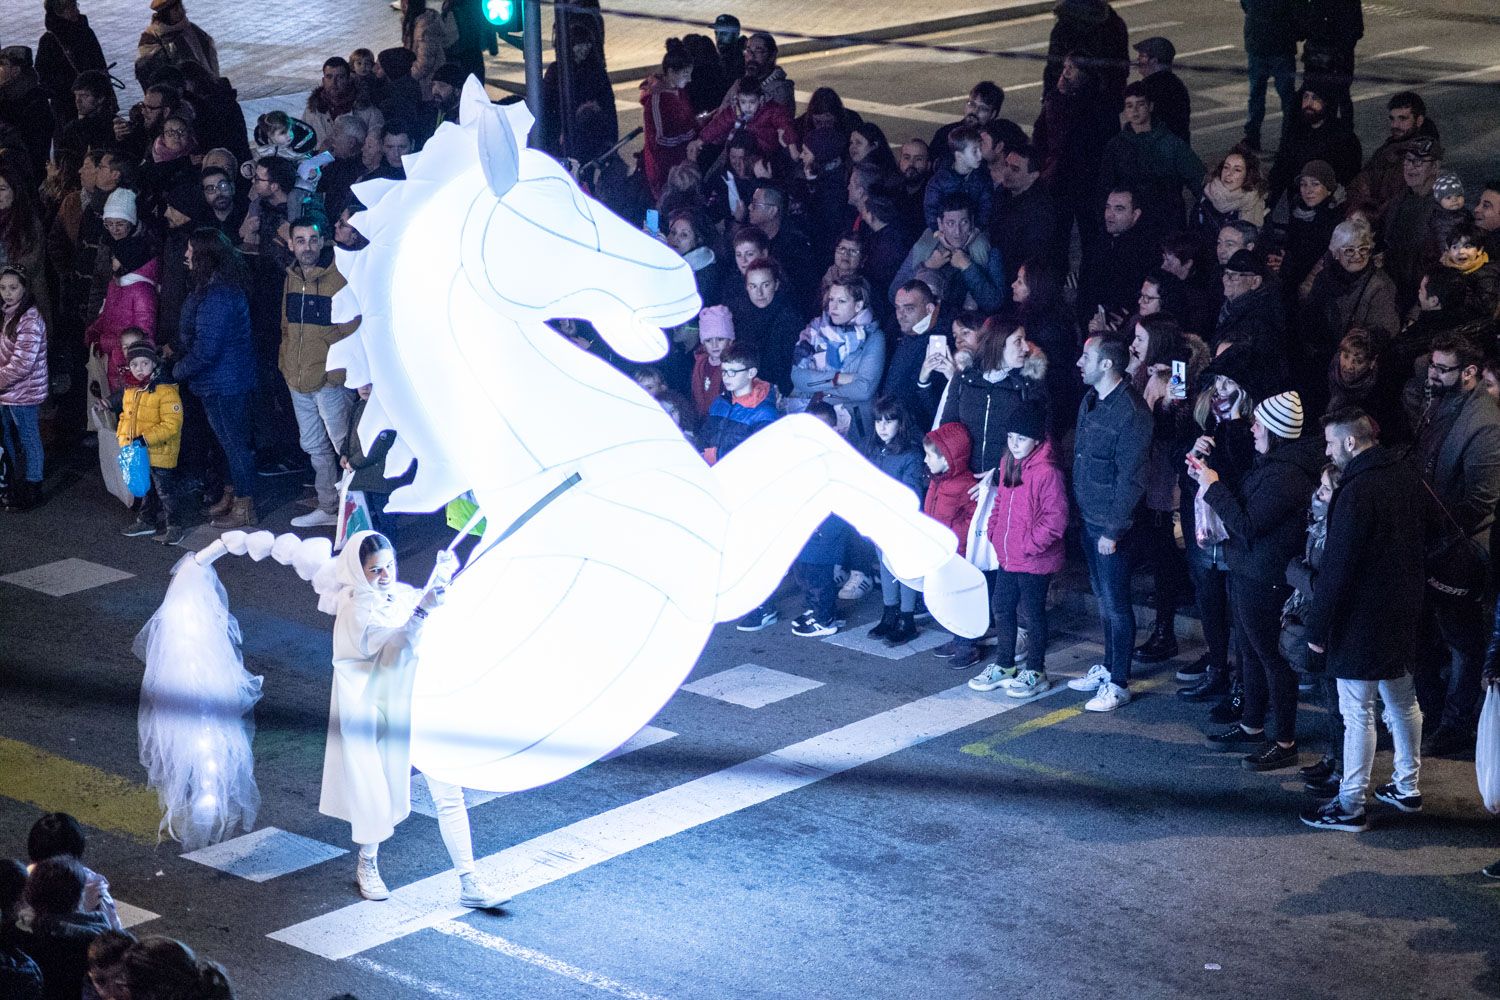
(1281, 415)
(121, 205)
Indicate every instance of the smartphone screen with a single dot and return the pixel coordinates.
(653, 221)
(1179, 380)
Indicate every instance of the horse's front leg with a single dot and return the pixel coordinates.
(779, 486)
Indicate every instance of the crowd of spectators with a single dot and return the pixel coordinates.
(1269, 382)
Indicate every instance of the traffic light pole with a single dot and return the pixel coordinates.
(531, 32)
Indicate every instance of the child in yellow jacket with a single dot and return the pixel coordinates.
(152, 412)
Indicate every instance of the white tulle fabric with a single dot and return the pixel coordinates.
(195, 722)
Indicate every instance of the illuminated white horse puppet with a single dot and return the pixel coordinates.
(621, 547)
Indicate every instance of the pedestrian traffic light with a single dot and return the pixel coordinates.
(505, 15)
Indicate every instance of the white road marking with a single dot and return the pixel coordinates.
(859, 640)
(751, 686)
(649, 736)
(409, 981)
(1410, 50)
(133, 916)
(431, 901)
(264, 854)
(496, 943)
(1204, 52)
(66, 576)
(897, 111)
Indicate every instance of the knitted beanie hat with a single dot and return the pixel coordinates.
(715, 321)
(120, 205)
(1281, 415)
(1447, 185)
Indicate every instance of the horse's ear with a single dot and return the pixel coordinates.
(502, 131)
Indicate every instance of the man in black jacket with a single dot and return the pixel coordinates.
(1023, 218)
(1109, 479)
(1365, 614)
(1171, 104)
(1314, 134)
(916, 315)
(1458, 457)
(1270, 53)
(1115, 263)
(1252, 313)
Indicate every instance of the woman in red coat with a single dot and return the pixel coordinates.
(130, 300)
(670, 123)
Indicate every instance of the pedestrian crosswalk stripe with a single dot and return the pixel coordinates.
(264, 854)
(66, 576)
(133, 916)
(433, 900)
(751, 686)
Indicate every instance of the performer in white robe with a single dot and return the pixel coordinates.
(367, 763)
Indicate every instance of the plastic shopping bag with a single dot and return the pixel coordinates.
(354, 512)
(980, 551)
(135, 468)
(1487, 750)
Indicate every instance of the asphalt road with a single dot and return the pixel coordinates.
(868, 836)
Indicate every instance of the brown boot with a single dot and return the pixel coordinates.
(241, 514)
(222, 505)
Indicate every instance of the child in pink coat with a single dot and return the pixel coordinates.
(1026, 527)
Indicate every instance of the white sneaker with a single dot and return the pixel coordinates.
(367, 877)
(1109, 697)
(1023, 644)
(857, 586)
(315, 519)
(477, 896)
(994, 676)
(1030, 682)
(1098, 674)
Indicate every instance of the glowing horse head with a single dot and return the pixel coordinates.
(482, 243)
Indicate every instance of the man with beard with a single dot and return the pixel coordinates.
(333, 97)
(761, 68)
(1095, 35)
(731, 45)
(67, 48)
(134, 135)
(24, 106)
(320, 400)
(94, 128)
(226, 209)
(1458, 456)
(1313, 135)
(984, 104)
(915, 161)
(447, 85)
(1381, 181)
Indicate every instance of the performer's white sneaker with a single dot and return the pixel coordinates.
(478, 896)
(371, 885)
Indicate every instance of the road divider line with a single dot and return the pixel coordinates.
(541, 960)
(986, 747)
(596, 839)
(96, 798)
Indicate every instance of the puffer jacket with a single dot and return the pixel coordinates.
(1266, 517)
(985, 407)
(23, 360)
(130, 300)
(153, 412)
(905, 467)
(215, 328)
(307, 327)
(1027, 522)
(947, 500)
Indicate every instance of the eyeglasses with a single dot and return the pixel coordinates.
(179, 133)
(847, 252)
(726, 370)
(1354, 253)
(1149, 298)
(151, 107)
(1433, 366)
(217, 186)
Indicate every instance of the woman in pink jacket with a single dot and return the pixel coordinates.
(130, 300)
(23, 388)
(1026, 528)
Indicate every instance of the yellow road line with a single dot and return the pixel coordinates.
(97, 798)
(1022, 764)
(986, 747)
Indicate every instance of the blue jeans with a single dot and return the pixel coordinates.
(1262, 68)
(23, 439)
(894, 593)
(818, 588)
(229, 416)
(1109, 577)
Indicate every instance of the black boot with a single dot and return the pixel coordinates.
(887, 622)
(904, 631)
(1233, 705)
(1214, 685)
(1161, 646)
(23, 495)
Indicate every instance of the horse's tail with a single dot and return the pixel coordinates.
(195, 720)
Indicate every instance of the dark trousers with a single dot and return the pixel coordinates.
(821, 593)
(1109, 577)
(163, 502)
(1269, 681)
(1333, 721)
(1461, 630)
(229, 416)
(1026, 592)
(1169, 570)
(1211, 587)
(386, 523)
